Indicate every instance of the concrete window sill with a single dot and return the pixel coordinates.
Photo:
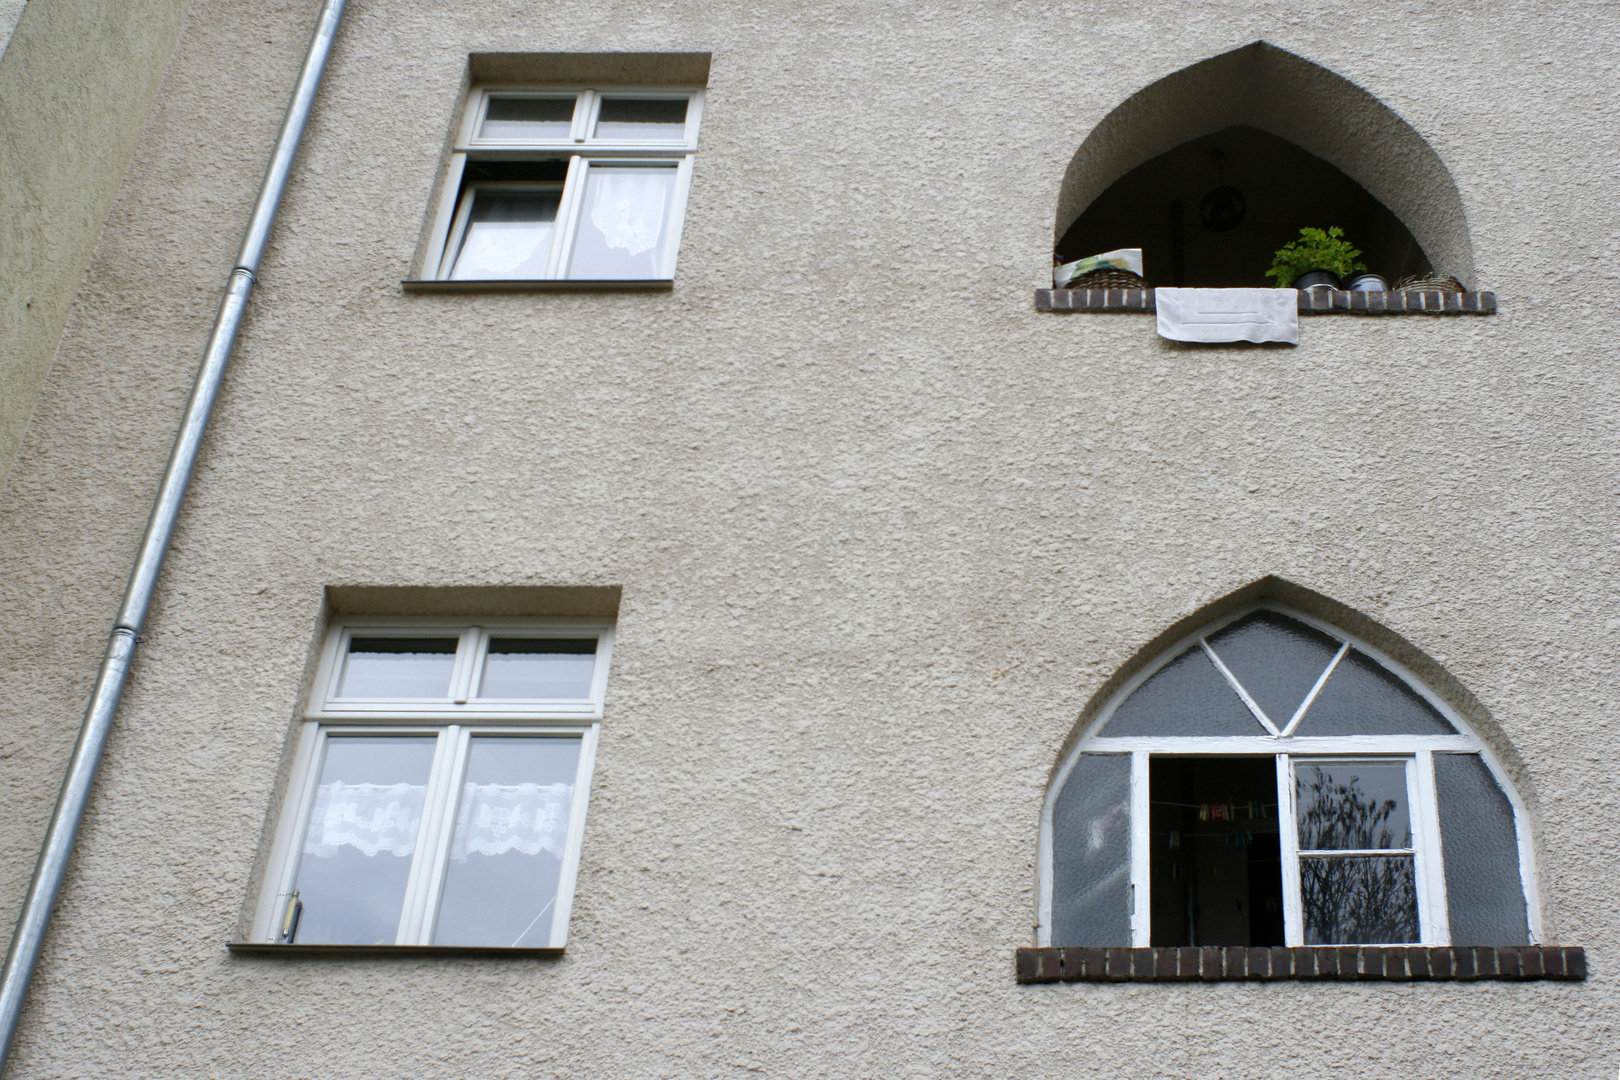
(1346, 962)
(1335, 302)
(436, 286)
(265, 948)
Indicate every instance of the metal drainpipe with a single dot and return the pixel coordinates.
(43, 890)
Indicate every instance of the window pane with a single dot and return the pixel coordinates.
(1185, 697)
(528, 118)
(1352, 805)
(623, 223)
(1368, 900)
(1276, 659)
(1091, 853)
(1484, 890)
(539, 668)
(643, 119)
(500, 887)
(1361, 697)
(508, 236)
(362, 834)
(398, 668)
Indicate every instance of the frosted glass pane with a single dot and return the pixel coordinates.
(1091, 853)
(1484, 891)
(361, 837)
(624, 223)
(1185, 697)
(539, 668)
(1361, 697)
(528, 118)
(1352, 805)
(508, 236)
(642, 119)
(506, 858)
(1369, 900)
(1276, 660)
(398, 668)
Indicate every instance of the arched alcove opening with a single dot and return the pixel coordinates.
(1271, 779)
(1309, 145)
(1211, 212)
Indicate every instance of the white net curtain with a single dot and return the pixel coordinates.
(493, 819)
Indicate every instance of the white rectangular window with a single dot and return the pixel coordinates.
(439, 792)
(577, 185)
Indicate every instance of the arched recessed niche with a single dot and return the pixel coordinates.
(1273, 116)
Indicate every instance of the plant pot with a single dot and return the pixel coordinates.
(1317, 279)
(1368, 283)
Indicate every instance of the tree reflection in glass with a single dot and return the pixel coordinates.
(1358, 895)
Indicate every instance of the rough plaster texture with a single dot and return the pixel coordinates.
(882, 531)
(76, 80)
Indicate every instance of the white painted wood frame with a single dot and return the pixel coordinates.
(1277, 740)
(581, 148)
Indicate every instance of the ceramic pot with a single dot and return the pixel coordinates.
(1317, 279)
(1368, 283)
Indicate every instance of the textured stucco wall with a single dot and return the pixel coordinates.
(76, 81)
(882, 531)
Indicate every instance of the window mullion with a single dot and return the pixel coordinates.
(425, 869)
(468, 652)
(1141, 852)
(1434, 921)
(1288, 849)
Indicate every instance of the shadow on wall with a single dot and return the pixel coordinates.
(1296, 140)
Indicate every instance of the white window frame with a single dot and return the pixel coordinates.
(581, 149)
(454, 723)
(1285, 748)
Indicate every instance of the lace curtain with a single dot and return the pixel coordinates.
(627, 207)
(493, 819)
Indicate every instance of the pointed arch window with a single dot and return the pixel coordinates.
(1273, 781)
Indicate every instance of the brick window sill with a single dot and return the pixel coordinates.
(1322, 302)
(1357, 962)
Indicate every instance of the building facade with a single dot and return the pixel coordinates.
(818, 555)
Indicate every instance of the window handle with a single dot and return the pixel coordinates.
(289, 920)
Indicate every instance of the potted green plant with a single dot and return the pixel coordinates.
(1315, 260)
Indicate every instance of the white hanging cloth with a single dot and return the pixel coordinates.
(627, 207)
(372, 818)
(493, 819)
(1214, 315)
(497, 818)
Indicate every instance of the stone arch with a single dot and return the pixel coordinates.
(1270, 89)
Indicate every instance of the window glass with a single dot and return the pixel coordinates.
(1478, 839)
(1276, 659)
(641, 119)
(528, 118)
(508, 235)
(1353, 805)
(545, 668)
(1362, 698)
(361, 838)
(623, 223)
(1185, 697)
(380, 667)
(1359, 900)
(506, 859)
(1091, 849)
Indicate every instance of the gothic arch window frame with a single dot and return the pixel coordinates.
(1288, 750)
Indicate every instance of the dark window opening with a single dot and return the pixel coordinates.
(1211, 213)
(1216, 860)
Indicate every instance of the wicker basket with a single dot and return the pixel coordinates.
(1109, 278)
(1434, 283)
